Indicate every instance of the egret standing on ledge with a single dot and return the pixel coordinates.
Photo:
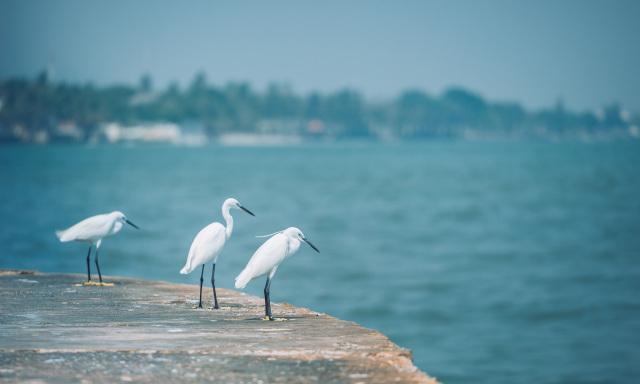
(208, 244)
(267, 259)
(92, 230)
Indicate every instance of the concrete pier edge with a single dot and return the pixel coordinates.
(54, 329)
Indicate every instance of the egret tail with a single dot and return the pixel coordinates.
(243, 279)
(63, 236)
(186, 269)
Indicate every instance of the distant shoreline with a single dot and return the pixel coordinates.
(41, 111)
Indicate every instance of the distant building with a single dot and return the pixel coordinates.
(153, 133)
(160, 132)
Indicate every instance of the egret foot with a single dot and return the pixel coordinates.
(268, 318)
(94, 284)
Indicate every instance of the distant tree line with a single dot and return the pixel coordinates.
(31, 105)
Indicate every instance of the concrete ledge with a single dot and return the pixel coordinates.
(54, 330)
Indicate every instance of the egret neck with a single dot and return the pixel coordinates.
(228, 220)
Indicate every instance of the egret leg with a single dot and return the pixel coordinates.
(98, 266)
(201, 280)
(88, 265)
(213, 285)
(267, 300)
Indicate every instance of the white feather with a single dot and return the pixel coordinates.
(267, 258)
(269, 235)
(206, 247)
(92, 229)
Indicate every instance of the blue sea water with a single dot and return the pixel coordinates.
(494, 262)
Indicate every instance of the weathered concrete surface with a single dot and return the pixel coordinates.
(52, 330)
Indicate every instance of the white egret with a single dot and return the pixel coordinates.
(92, 230)
(208, 244)
(268, 258)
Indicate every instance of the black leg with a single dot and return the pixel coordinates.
(201, 280)
(98, 266)
(89, 265)
(267, 300)
(213, 285)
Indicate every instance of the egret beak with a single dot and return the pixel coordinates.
(131, 224)
(246, 210)
(311, 245)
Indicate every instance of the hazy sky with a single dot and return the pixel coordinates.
(587, 52)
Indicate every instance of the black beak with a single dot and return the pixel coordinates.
(311, 245)
(246, 210)
(131, 224)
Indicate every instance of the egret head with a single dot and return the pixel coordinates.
(295, 233)
(121, 217)
(233, 203)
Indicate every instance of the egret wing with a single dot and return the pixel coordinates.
(206, 246)
(270, 254)
(89, 229)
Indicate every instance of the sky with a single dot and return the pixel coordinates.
(585, 53)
